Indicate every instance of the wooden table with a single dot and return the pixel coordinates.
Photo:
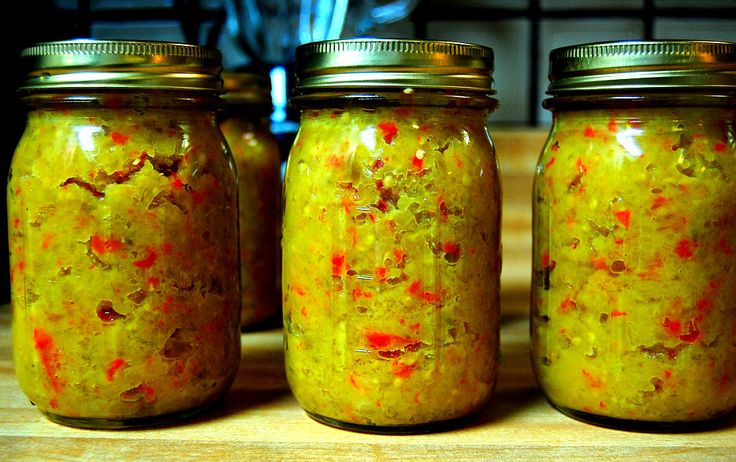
(260, 420)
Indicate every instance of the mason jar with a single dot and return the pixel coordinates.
(391, 254)
(244, 121)
(122, 214)
(634, 257)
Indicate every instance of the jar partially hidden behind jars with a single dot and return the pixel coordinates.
(245, 124)
(391, 235)
(122, 209)
(633, 319)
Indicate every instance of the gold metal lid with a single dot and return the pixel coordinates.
(246, 88)
(642, 65)
(387, 64)
(121, 64)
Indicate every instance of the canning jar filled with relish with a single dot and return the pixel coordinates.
(122, 215)
(244, 122)
(391, 254)
(633, 319)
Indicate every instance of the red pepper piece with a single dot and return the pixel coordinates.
(176, 182)
(385, 341)
(545, 259)
(686, 248)
(673, 326)
(338, 263)
(47, 240)
(50, 356)
(416, 289)
(334, 161)
(659, 201)
(599, 263)
(399, 255)
(101, 246)
(693, 333)
(148, 260)
(582, 169)
(389, 130)
(568, 304)
(359, 293)
(403, 371)
(377, 164)
(354, 381)
(113, 368)
(612, 125)
(119, 138)
(593, 382)
(452, 251)
(624, 217)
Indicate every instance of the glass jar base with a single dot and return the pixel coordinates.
(644, 426)
(96, 423)
(415, 429)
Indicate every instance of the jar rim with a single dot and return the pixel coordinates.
(642, 65)
(121, 64)
(393, 64)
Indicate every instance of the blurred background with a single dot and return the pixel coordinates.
(260, 35)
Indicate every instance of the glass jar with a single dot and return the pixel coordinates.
(391, 254)
(122, 209)
(634, 256)
(245, 124)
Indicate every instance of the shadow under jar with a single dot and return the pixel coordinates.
(122, 209)
(391, 255)
(634, 256)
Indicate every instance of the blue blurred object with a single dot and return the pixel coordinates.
(271, 30)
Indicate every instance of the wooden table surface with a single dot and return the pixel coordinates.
(260, 420)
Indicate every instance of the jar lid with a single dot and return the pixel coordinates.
(121, 64)
(642, 65)
(351, 64)
(243, 87)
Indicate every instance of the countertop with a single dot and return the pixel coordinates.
(260, 420)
